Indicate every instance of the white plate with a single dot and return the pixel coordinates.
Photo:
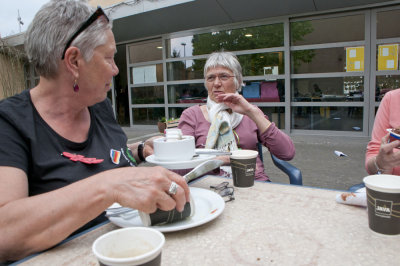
(208, 206)
(181, 164)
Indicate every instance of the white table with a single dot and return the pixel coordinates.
(266, 224)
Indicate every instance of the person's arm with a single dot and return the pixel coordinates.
(240, 105)
(274, 139)
(140, 150)
(187, 123)
(278, 143)
(380, 156)
(31, 224)
(386, 159)
(381, 123)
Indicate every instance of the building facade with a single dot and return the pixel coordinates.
(314, 67)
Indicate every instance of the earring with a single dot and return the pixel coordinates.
(76, 87)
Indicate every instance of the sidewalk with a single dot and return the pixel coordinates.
(315, 158)
(320, 166)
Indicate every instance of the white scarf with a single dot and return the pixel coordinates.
(220, 135)
(214, 108)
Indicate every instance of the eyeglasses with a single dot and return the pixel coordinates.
(222, 77)
(224, 190)
(98, 13)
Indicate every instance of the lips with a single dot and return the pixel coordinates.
(216, 93)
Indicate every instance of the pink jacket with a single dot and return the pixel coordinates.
(388, 116)
(193, 123)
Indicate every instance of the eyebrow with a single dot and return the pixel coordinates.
(221, 73)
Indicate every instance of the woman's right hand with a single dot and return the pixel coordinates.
(387, 159)
(146, 188)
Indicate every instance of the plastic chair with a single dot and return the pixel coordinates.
(294, 174)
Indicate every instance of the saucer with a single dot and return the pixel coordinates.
(181, 164)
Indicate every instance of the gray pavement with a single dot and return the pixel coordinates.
(315, 157)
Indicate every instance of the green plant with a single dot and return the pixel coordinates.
(164, 120)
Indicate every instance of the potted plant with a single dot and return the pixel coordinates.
(162, 124)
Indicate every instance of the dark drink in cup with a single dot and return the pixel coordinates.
(160, 217)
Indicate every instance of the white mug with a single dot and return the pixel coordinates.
(174, 150)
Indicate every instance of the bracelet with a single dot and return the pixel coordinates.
(378, 170)
(140, 149)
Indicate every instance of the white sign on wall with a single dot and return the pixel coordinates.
(146, 74)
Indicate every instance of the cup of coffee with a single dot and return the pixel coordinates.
(383, 203)
(174, 149)
(129, 246)
(243, 164)
(160, 217)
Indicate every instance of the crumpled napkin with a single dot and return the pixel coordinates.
(173, 134)
(357, 198)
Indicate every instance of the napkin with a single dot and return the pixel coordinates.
(357, 198)
(340, 154)
(173, 134)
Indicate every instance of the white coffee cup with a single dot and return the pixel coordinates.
(174, 149)
(129, 246)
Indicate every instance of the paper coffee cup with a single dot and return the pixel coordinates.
(129, 246)
(243, 164)
(160, 217)
(383, 203)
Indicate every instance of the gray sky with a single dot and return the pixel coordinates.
(9, 14)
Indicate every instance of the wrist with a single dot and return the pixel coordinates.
(258, 117)
(140, 151)
(378, 168)
(254, 112)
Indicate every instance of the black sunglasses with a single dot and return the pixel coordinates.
(224, 190)
(98, 13)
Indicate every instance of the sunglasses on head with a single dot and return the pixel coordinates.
(98, 13)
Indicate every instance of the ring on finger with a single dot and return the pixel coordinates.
(173, 188)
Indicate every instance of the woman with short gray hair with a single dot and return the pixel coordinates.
(45, 48)
(229, 61)
(63, 157)
(247, 124)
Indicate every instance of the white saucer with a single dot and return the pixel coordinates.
(181, 164)
(208, 206)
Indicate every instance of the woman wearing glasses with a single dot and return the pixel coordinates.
(63, 157)
(229, 121)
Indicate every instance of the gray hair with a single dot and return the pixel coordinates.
(53, 25)
(227, 60)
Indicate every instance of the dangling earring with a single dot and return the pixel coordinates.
(76, 87)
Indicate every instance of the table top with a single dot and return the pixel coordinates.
(266, 224)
